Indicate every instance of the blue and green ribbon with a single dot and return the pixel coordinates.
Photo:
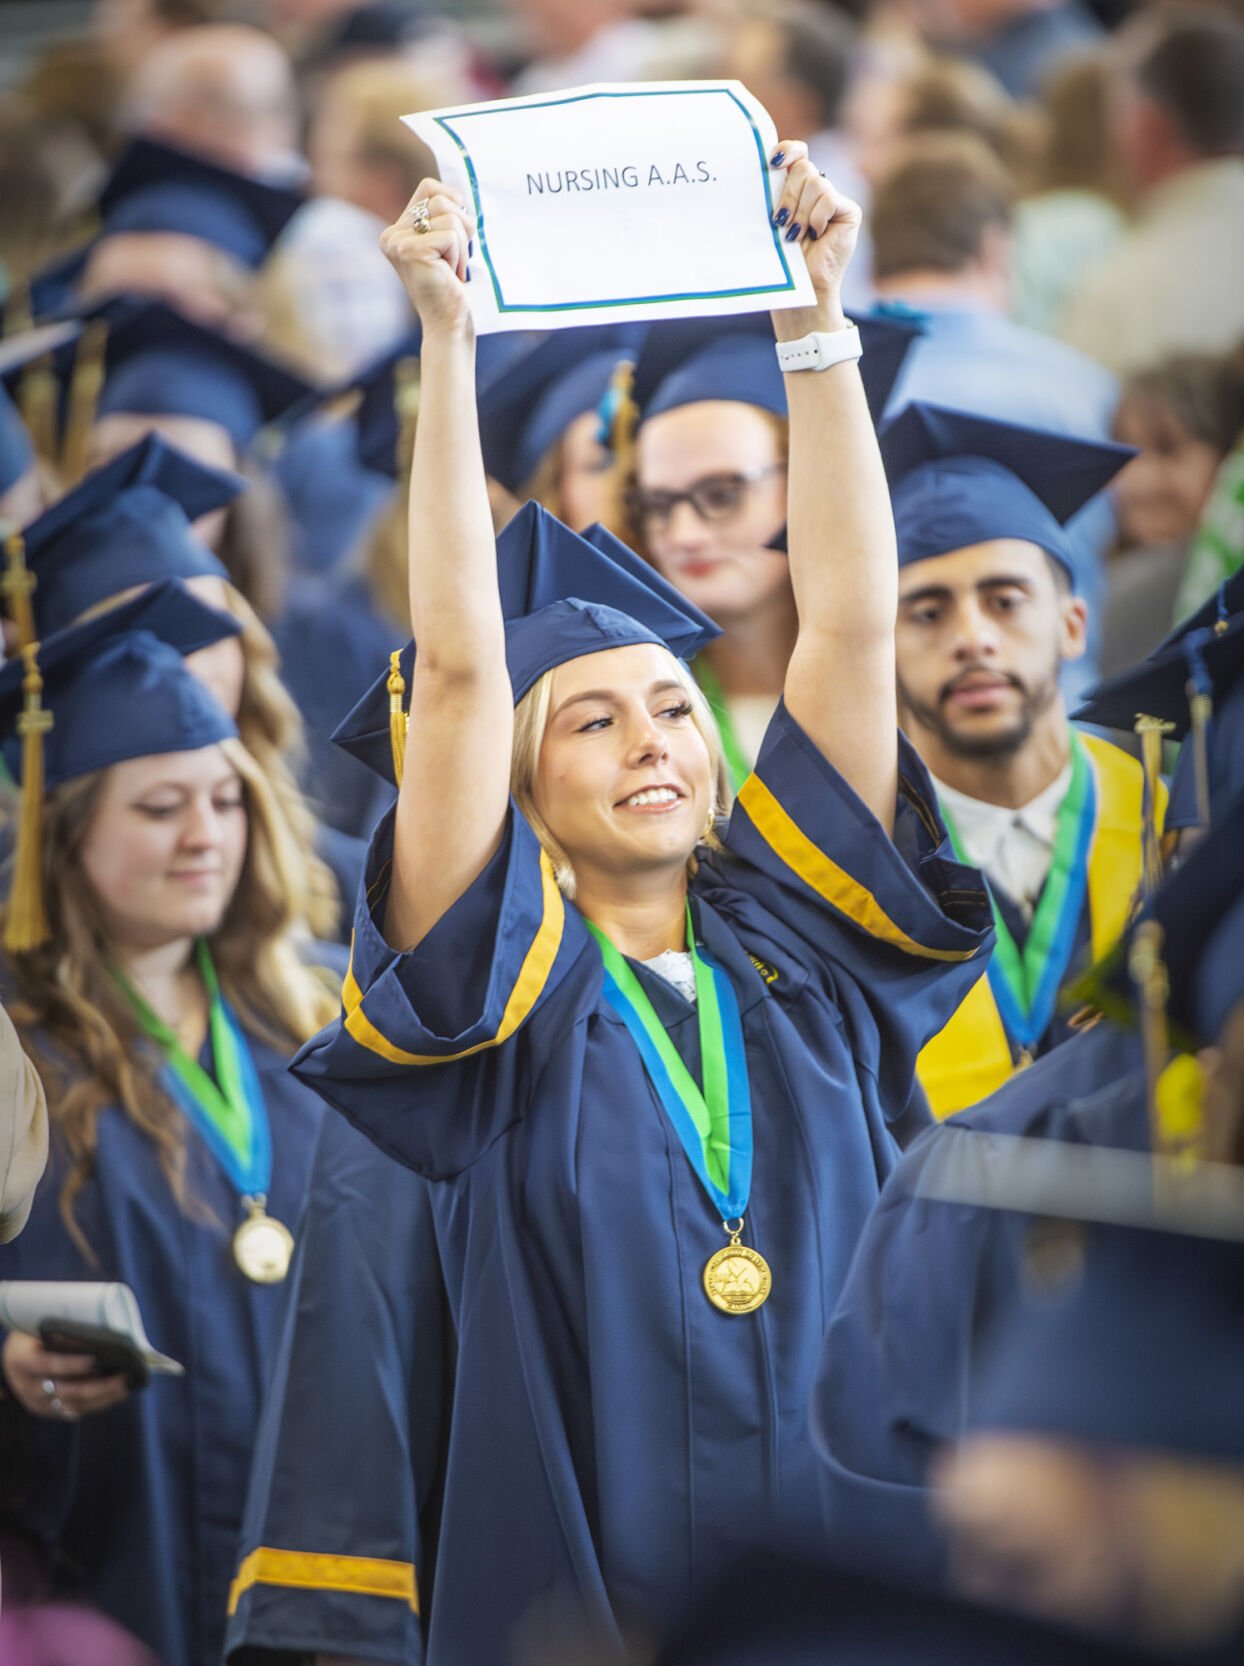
(1025, 984)
(713, 1124)
(229, 1112)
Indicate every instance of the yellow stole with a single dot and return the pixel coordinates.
(972, 1056)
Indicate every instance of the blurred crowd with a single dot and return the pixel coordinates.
(210, 397)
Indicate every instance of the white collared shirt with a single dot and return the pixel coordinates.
(1013, 848)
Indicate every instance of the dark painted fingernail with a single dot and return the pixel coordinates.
(793, 234)
(776, 160)
(781, 217)
(470, 247)
(812, 235)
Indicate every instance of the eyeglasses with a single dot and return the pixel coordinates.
(716, 497)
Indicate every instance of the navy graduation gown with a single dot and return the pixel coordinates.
(612, 1438)
(895, 1378)
(346, 1480)
(144, 1501)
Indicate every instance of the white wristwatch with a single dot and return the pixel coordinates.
(820, 350)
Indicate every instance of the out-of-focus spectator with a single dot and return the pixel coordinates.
(799, 59)
(1177, 116)
(40, 168)
(943, 252)
(939, 95)
(1074, 215)
(1184, 416)
(225, 91)
(574, 42)
(23, 1131)
(1018, 41)
(1217, 551)
(332, 300)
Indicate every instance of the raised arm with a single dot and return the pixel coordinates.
(455, 785)
(840, 685)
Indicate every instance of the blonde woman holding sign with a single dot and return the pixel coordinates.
(643, 1058)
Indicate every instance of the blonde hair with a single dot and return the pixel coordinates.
(78, 1026)
(531, 720)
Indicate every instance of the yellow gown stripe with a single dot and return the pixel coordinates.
(823, 875)
(971, 1057)
(308, 1570)
(528, 987)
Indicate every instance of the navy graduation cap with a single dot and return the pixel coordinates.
(562, 595)
(392, 380)
(957, 480)
(127, 523)
(159, 187)
(1193, 683)
(684, 361)
(113, 688)
(526, 404)
(159, 363)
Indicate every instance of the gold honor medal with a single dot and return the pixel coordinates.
(262, 1246)
(737, 1279)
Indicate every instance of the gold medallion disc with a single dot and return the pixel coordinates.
(263, 1246)
(737, 1279)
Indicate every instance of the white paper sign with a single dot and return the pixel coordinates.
(618, 203)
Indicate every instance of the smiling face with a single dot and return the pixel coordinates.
(624, 777)
(735, 454)
(981, 635)
(166, 845)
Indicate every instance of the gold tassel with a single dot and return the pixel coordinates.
(1201, 707)
(37, 398)
(18, 586)
(27, 925)
(84, 391)
(406, 406)
(399, 722)
(1152, 731)
(1147, 971)
(620, 400)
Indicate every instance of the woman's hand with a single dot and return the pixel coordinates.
(432, 263)
(826, 226)
(63, 1387)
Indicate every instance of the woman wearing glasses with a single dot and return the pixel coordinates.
(709, 495)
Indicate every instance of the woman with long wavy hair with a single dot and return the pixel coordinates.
(159, 1001)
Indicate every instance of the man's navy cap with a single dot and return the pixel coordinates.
(156, 187)
(127, 523)
(562, 595)
(1145, 1352)
(685, 361)
(17, 453)
(159, 363)
(118, 688)
(526, 405)
(378, 420)
(957, 480)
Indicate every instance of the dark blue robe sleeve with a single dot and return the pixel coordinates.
(894, 922)
(426, 1055)
(347, 1461)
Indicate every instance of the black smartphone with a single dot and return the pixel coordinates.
(112, 1354)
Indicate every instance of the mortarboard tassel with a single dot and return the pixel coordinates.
(1200, 708)
(37, 398)
(84, 389)
(399, 722)
(1151, 731)
(27, 926)
(1173, 1087)
(619, 423)
(406, 408)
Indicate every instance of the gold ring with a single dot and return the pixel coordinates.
(421, 216)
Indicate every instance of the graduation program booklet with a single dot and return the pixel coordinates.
(103, 1310)
(619, 202)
